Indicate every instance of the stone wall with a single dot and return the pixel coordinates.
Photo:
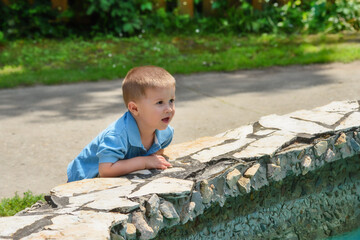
(294, 176)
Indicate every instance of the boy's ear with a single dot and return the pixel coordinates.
(133, 108)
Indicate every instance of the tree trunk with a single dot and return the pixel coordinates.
(60, 5)
(257, 4)
(186, 7)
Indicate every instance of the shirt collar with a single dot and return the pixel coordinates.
(134, 133)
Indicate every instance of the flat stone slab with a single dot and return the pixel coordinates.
(205, 172)
(165, 185)
(288, 124)
(88, 185)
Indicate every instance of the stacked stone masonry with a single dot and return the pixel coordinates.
(294, 176)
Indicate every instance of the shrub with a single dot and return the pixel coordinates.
(91, 18)
(10, 206)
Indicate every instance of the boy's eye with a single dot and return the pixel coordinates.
(160, 102)
(172, 100)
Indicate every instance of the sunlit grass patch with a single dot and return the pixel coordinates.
(10, 206)
(75, 60)
(6, 70)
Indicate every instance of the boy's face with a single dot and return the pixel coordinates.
(156, 109)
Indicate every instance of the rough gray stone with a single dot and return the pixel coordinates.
(168, 210)
(152, 205)
(274, 172)
(320, 148)
(142, 226)
(259, 180)
(330, 156)
(197, 199)
(206, 191)
(355, 145)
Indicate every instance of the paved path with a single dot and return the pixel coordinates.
(43, 128)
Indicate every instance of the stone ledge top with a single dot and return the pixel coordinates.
(205, 171)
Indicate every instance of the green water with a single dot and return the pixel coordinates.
(355, 235)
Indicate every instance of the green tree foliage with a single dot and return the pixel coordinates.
(91, 18)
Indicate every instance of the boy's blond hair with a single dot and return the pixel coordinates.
(139, 79)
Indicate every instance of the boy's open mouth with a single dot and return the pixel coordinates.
(166, 120)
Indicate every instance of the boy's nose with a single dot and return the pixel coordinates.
(169, 108)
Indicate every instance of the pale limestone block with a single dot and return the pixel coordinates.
(80, 225)
(10, 225)
(342, 107)
(130, 231)
(288, 124)
(328, 118)
(263, 133)
(341, 140)
(107, 195)
(172, 170)
(237, 133)
(232, 178)
(45, 235)
(352, 120)
(320, 148)
(244, 185)
(165, 185)
(142, 172)
(88, 185)
(266, 145)
(184, 149)
(208, 154)
(252, 170)
(122, 205)
(206, 191)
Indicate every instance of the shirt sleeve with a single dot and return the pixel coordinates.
(169, 136)
(112, 148)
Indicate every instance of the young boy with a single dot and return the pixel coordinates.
(136, 140)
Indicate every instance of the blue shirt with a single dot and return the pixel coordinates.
(120, 140)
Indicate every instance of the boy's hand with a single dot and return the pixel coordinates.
(156, 161)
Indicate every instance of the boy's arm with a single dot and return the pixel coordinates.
(124, 167)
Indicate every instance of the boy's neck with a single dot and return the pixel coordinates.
(147, 138)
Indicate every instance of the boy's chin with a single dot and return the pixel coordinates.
(163, 127)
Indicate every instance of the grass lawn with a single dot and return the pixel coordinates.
(32, 62)
(10, 206)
